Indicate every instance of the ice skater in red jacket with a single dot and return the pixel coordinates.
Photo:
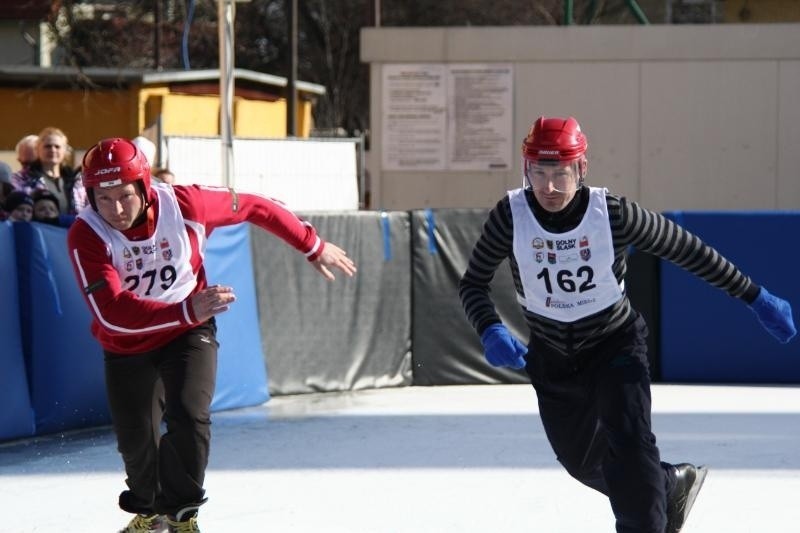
(138, 256)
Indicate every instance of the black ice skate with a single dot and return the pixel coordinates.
(689, 480)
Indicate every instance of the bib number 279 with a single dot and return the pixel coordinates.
(166, 277)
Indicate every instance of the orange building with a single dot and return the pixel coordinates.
(93, 103)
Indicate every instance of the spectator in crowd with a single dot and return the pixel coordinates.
(147, 147)
(18, 206)
(50, 172)
(5, 190)
(45, 209)
(164, 175)
(5, 172)
(26, 150)
(5, 186)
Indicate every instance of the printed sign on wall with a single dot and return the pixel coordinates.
(414, 117)
(447, 116)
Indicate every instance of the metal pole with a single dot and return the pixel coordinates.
(362, 171)
(637, 12)
(157, 36)
(291, 86)
(226, 16)
(161, 159)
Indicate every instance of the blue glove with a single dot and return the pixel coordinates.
(775, 315)
(501, 348)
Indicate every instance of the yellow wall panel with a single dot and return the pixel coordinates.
(190, 115)
(253, 118)
(89, 115)
(149, 105)
(305, 122)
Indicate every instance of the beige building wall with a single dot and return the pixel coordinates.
(677, 117)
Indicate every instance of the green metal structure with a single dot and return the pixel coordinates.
(632, 6)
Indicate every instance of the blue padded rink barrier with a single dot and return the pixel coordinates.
(460, 459)
(52, 330)
(16, 414)
(709, 337)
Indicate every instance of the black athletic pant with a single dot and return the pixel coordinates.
(164, 472)
(595, 409)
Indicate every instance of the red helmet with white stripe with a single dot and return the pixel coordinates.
(113, 162)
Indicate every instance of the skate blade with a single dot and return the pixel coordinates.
(702, 472)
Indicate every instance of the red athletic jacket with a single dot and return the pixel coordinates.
(124, 322)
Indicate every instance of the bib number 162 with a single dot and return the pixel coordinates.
(567, 281)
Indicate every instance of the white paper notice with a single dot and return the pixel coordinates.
(455, 116)
(479, 128)
(414, 117)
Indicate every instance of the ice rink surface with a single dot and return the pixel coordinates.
(463, 459)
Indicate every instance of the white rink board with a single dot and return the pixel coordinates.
(306, 175)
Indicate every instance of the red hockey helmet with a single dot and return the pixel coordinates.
(554, 139)
(113, 162)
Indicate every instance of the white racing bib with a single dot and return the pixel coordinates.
(157, 268)
(565, 276)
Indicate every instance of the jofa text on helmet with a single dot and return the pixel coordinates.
(109, 170)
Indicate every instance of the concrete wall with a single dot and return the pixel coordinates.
(677, 117)
(15, 50)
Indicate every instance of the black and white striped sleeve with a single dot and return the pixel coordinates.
(653, 233)
(493, 246)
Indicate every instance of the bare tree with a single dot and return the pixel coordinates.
(122, 34)
(332, 46)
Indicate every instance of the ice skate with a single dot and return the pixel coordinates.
(154, 523)
(689, 481)
(185, 520)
